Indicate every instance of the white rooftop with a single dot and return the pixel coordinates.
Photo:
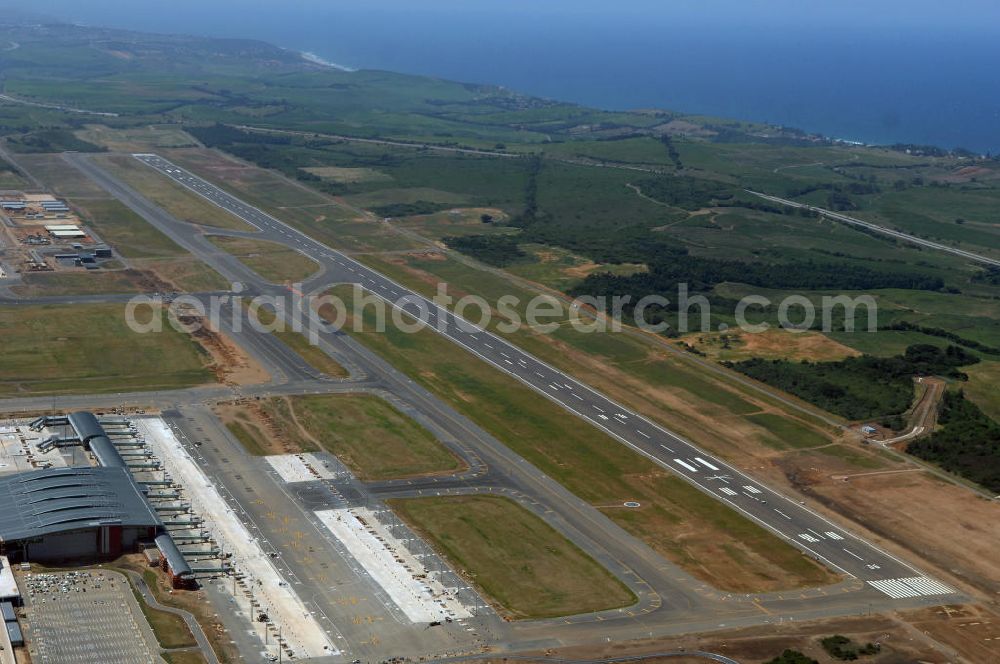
(8, 586)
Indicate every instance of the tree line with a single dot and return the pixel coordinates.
(860, 388)
(967, 442)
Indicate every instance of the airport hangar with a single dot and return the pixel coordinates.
(81, 511)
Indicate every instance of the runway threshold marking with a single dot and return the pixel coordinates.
(686, 465)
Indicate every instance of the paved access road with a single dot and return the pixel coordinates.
(854, 221)
(805, 529)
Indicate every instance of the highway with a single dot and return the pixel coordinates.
(804, 528)
(837, 216)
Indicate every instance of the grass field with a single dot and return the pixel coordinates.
(374, 439)
(83, 283)
(184, 657)
(136, 139)
(457, 221)
(983, 387)
(787, 433)
(714, 544)
(561, 269)
(170, 629)
(253, 438)
(275, 262)
(59, 176)
(90, 349)
(129, 233)
(10, 179)
(523, 566)
(185, 273)
(321, 217)
(172, 197)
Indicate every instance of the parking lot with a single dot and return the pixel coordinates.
(88, 616)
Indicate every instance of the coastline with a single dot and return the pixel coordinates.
(316, 60)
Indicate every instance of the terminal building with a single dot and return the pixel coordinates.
(80, 512)
(67, 513)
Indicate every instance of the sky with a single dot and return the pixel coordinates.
(979, 15)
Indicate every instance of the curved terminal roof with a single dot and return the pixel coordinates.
(106, 453)
(57, 500)
(86, 425)
(90, 432)
(175, 559)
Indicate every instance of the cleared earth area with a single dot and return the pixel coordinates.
(521, 564)
(376, 441)
(61, 349)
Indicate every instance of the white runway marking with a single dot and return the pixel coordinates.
(912, 586)
(928, 586)
(705, 463)
(833, 535)
(894, 589)
(686, 465)
(727, 491)
(751, 489)
(854, 554)
(644, 435)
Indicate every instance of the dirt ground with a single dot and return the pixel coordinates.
(945, 525)
(937, 635)
(770, 344)
(230, 363)
(269, 432)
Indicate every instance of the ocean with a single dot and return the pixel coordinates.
(912, 83)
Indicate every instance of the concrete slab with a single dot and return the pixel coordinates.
(416, 590)
(265, 590)
(9, 592)
(300, 467)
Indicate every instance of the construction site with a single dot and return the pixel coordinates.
(42, 234)
(89, 489)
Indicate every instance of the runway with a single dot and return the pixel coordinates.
(790, 519)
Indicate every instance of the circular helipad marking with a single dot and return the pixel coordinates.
(631, 503)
